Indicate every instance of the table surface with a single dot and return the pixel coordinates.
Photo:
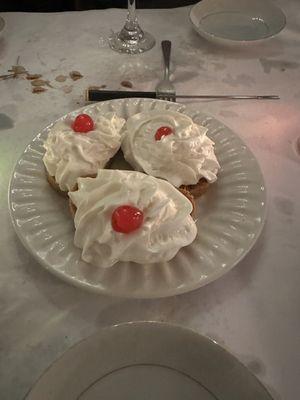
(253, 310)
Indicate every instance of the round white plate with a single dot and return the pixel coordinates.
(230, 217)
(237, 20)
(147, 360)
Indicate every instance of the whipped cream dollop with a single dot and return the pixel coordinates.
(167, 225)
(70, 154)
(182, 158)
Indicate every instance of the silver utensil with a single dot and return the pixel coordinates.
(165, 90)
(95, 94)
(172, 97)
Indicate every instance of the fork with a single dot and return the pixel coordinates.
(165, 90)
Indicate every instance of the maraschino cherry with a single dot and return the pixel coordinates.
(126, 219)
(163, 131)
(83, 123)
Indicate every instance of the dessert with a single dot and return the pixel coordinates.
(78, 148)
(130, 216)
(171, 146)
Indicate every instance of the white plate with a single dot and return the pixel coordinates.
(147, 360)
(231, 216)
(233, 21)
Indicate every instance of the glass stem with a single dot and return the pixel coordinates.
(131, 22)
(131, 39)
(131, 10)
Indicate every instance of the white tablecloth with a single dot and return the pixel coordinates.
(254, 310)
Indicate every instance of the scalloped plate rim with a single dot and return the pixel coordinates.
(108, 291)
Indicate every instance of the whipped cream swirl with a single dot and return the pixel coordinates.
(182, 158)
(167, 224)
(70, 155)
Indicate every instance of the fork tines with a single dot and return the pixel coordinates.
(166, 96)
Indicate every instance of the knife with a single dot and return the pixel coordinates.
(95, 94)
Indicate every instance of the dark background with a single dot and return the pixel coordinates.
(76, 5)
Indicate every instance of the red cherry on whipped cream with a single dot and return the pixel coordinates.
(163, 131)
(126, 219)
(83, 123)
